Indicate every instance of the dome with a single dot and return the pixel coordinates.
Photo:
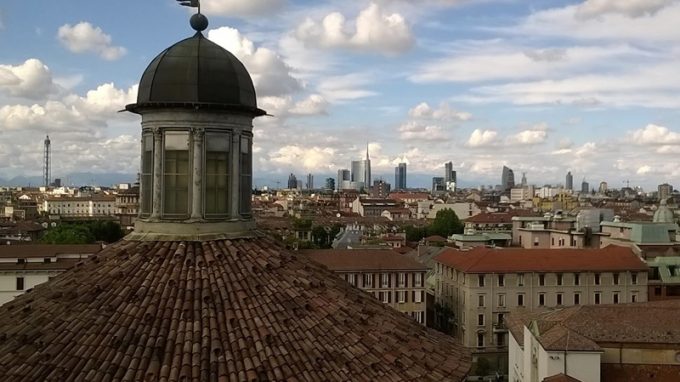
(664, 214)
(196, 72)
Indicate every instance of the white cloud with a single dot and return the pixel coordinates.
(32, 80)
(642, 170)
(270, 74)
(631, 8)
(480, 138)
(231, 8)
(512, 63)
(374, 30)
(443, 112)
(413, 130)
(655, 135)
(537, 134)
(345, 87)
(304, 157)
(612, 21)
(315, 104)
(86, 38)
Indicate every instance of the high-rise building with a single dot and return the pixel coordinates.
(310, 181)
(400, 176)
(665, 191)
(343, 175)
(380, 189)
(449, 174)
(585, 187)
(361, 171)
(603, 188)
(46, 164)
(524, 179)
(569, 183)
(367, 167)
(292, 181)
(299, 184)
(330, 184)
(438, 185)
(507, 179)
(450, 177)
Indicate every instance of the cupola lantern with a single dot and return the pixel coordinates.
(197, 103)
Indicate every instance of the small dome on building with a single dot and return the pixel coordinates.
(664, 214)
(196, 72)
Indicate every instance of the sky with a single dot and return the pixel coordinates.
(591, 87)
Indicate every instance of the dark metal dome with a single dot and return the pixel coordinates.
(197, 73)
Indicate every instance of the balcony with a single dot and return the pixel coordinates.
(500, 327)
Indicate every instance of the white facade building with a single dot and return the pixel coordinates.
(22, 267)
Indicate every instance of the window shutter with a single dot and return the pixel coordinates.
(406, 280)
(413, 296)
(389, 296)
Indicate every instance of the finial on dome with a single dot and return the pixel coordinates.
(198, 21)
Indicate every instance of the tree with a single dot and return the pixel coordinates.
(320, 237)
(68, 234)
(445, 224)
(415, 233)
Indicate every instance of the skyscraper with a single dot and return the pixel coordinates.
(569, 183)
(665, 191)
(400, 176)
(310, 181)
(343, 175)
(361, 171)
(524, 179)
(330, 184)
(450, 177)
(585, 187)
(292, 181)
(438, 185)
(367, 168)
(507, 178)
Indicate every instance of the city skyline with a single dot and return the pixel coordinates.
(481, 84)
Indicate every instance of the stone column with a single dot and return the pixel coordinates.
(197, 175)
(157, 190)
(234, 193)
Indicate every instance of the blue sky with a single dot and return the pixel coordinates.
(544, 87)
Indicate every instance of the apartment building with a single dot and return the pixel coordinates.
(394, 279)
(22, 267)
(483, 284)
(85, 206)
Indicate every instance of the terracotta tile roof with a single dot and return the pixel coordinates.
(497, 217)
(363, 259)
(435, 238)
(47, 250)
(228, 310)
(639, 373)
(586, 327)
(489, 260)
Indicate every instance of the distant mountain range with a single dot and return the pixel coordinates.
(270, 180)
(73, 180)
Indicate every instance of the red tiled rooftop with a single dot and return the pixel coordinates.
(561, 377)
(226, 310)
(46, 250)
(363, 260)
(435, 238)
(490, 260)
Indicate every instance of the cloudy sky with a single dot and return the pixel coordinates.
(542, 87)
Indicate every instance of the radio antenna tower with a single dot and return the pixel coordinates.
(46, 165)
